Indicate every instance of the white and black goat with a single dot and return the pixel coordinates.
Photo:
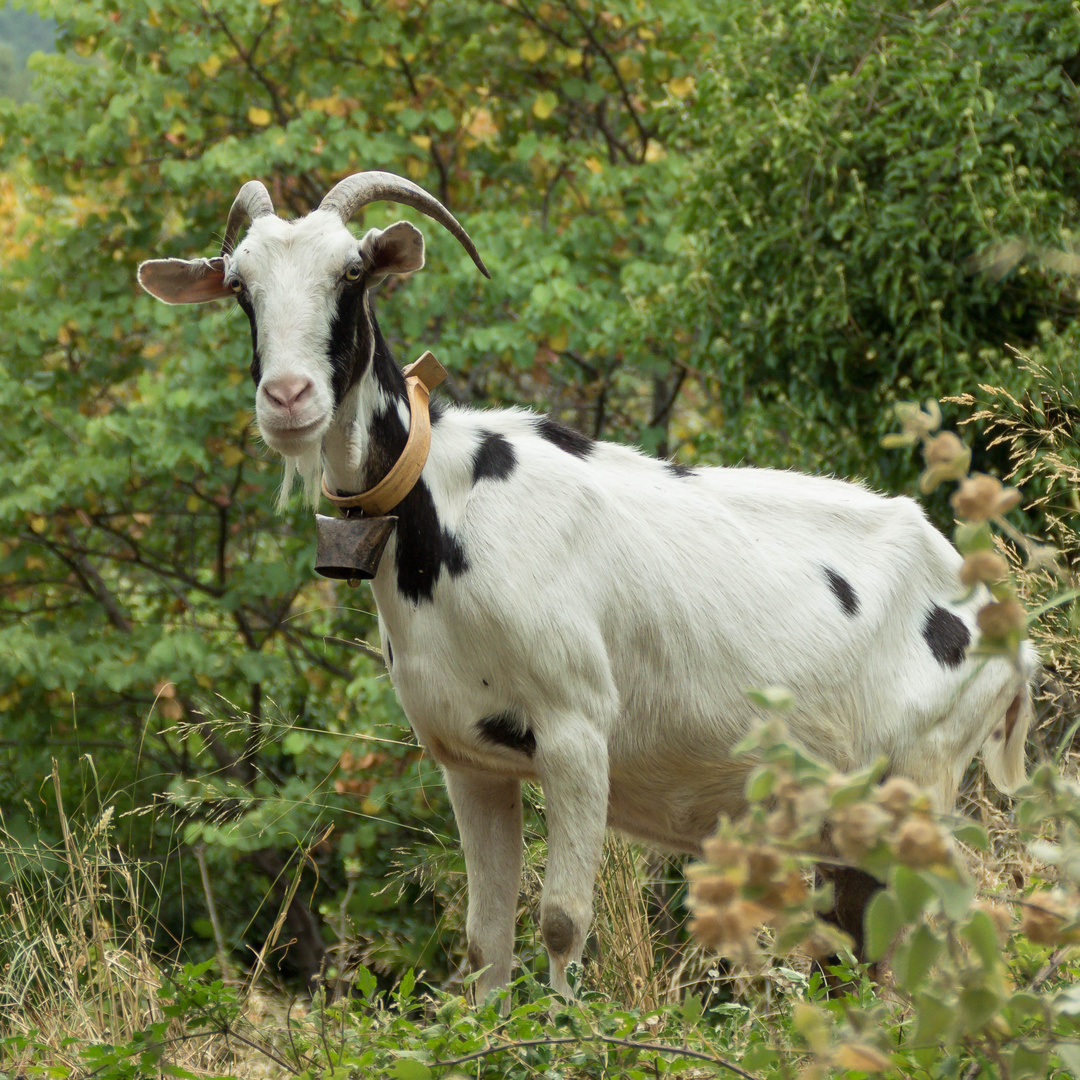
(573, 612)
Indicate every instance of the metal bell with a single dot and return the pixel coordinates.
(350, 548)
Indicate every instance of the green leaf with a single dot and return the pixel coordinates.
(973, 835)
(912, 892)
(978, 1006)
(982, 934)
(883, 922)
(933, 1017)
(956, 894)
(916, 957)
(410, 1069)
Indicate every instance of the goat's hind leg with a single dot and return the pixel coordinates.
(488, 813)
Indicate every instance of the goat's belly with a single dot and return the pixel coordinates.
(676, 808)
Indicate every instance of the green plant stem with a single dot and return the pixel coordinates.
(610, 1040)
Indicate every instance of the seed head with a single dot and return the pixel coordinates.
(1001, 618)
(856, 829)
(983, 567)
(919, 843)
(981, 497)
(1043, 917)
(898, 795)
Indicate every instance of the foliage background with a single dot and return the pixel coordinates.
(731, 233)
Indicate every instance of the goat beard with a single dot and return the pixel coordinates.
(308, 467)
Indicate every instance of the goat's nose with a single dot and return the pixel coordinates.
(287, 390)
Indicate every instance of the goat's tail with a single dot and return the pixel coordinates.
(1003, 751)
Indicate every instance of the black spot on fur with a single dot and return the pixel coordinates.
(256, 359)
(424, 548)
(389, 654)
(946, 635)
(565, 438)
(676, 469)
(509, 731)
(351, 337)
(494, 458)
(840, 585)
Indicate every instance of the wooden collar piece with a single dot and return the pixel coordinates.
(421, 378)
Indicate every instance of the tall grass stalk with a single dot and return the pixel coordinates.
(74, 943)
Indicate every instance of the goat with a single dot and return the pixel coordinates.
(572, 612)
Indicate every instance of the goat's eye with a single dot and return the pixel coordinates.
(236, 284)
(352, 273)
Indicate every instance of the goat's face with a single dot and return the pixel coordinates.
(305, 290)
(304, 286)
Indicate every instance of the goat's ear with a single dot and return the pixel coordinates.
(184, 281)
(397, 250)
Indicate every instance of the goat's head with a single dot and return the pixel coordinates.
(304, 287)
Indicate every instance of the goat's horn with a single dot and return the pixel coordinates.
(349, 195)
(252, 201)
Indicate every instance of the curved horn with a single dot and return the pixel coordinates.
(349, 195)
(252, 201)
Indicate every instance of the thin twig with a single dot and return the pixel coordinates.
(610, 1040)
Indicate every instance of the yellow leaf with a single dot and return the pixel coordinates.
(544, 105)
(269, 3)
(234, 377)
(38, 524)
(258, 116)
(654, 151)
(332, 105)
(628, 66)
(594, 165)
(532, 50)
(558, 341)
(211, 65)
(232, 455)
(682, 86)
(63, 336)
(862, 1057)
(204, 681)
(193, 503)
(423, 141)
(574, 58)
(482, 126)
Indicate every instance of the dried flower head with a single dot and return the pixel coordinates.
(722, 851)
(983, 567)
(981, 497)
(1043, 918)
(899, 795)
(919, 843)
(1001, 618)
(762, 864)
(917, 421)
(711, 888)
(856, 829)
(1001, 915)
(947, 458)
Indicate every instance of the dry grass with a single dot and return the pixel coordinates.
(77, 965)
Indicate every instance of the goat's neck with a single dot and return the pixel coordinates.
(371, 427)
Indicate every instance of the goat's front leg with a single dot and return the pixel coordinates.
(574, 772)
(488, 814)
